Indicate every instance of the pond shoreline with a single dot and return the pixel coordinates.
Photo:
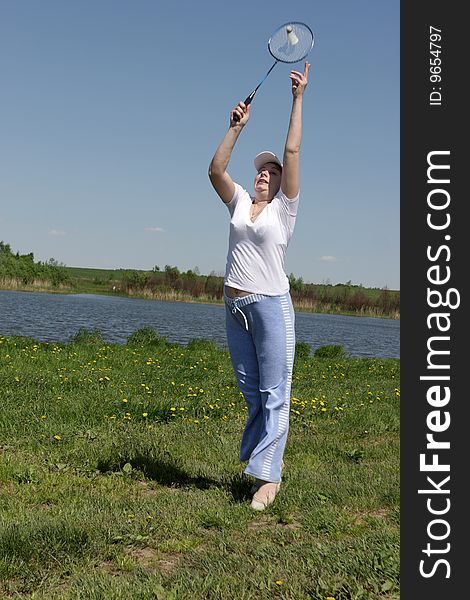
(58, 317)
(179, 297)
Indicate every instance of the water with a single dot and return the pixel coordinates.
(57, 317)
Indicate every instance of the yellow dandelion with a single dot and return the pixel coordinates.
(280, 582)
(57, 437)
(145, 414)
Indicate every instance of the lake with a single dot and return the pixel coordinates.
(57, 317)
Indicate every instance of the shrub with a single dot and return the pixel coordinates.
(203, 344)
(302, 350)
(146, 336)
(85, 336)
(330, 352)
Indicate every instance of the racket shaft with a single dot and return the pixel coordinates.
(249, 98)
(252, 95)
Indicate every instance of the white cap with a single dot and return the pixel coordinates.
(264, 157)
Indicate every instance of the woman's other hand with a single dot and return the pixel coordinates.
(299, 80)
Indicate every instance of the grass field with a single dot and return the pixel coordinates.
(120, 479)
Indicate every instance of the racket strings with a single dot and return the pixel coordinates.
(291, 43)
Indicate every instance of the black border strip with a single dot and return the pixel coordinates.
(432, 130)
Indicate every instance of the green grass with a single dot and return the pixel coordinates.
(120, 479)
(93, 281)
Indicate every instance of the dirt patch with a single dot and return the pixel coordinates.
(145, 556)
(380, 513)
(7, 486)
(110, 568)
(262, 523)
(293, 526)
(265, 523)
(167, 564)
(60, 587)
(152, 560)
(8, 593)
(144, 489)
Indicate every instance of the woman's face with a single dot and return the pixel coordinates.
(268, 180)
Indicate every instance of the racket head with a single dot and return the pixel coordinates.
(281, 46)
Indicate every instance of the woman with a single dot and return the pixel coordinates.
(259, 312)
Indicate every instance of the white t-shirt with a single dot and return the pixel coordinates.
(255, 259)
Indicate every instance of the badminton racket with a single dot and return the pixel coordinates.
(290, 43)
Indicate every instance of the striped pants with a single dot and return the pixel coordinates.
(261, 341)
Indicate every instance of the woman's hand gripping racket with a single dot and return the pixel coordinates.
(290, 43)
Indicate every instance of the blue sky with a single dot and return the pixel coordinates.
(111, 111)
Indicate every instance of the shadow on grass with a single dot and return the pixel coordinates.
(169, 473)
(164, 472)
(239, 486)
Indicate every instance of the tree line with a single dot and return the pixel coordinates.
(335, 298)
(172, 283)
(23, 268)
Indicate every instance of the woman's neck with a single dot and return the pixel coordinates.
(260, 198)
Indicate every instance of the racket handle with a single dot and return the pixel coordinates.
(248, 100)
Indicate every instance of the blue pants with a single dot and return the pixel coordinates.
(261, 341)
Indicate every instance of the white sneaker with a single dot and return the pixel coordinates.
(265, 495)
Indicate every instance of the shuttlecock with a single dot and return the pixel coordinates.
(291, 37)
